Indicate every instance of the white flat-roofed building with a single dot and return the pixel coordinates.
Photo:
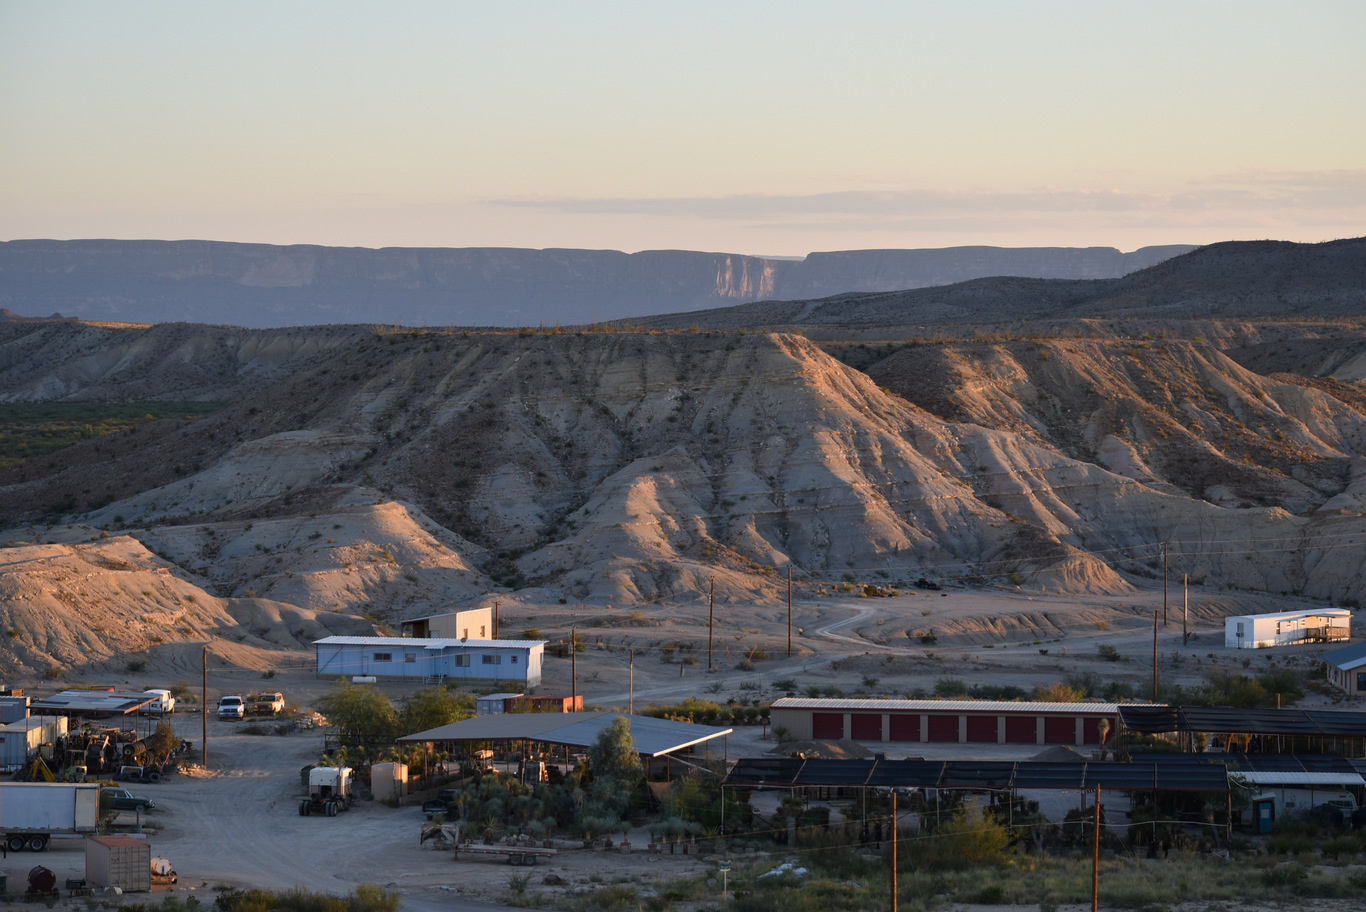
(433, 660)
(470, 624)
(1287, 628)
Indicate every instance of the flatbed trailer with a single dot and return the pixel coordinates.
(516, 854)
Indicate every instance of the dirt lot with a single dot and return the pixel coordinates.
(237, 823)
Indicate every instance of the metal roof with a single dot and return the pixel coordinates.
(1292, 615)
(652, 737)
(1156, 719)
(426, 642)
(793, 772)
(1268, 778)
(1348, 657)
(91, 702)
(960, 706)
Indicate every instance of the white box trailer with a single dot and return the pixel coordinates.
(21, 740)
(1287, 628)
(31, 813)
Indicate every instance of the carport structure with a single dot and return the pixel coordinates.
(981, 776)
(1297, 731)
(653, 737)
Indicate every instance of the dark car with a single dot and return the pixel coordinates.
(123, 800)
(443, 805)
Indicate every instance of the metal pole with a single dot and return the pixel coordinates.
(495, 619)
(1095, 860)
(1186, 609)
(893, 850)
(789, 611)
(573, 671)
(631, 700)
(1154, 656)
(1164, 584)
(204, 712)
(711, 619)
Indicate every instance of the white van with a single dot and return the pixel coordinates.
(164, 702)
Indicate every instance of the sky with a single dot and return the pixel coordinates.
(772, 129)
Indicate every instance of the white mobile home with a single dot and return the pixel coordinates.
(433, 660)
(1287, 628)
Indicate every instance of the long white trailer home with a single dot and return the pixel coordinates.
(1287, 628)
(433, 660)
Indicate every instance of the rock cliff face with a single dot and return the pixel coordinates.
(259, 285)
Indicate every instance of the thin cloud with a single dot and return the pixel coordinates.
(1249, 193)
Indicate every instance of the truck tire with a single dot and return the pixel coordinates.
(303, 808)
(331, 809)
(154, 776)
(37, 842)
(15, 842)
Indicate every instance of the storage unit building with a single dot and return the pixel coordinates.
(467, 662)
(118, 861)
(945, 721)
(1287, 628)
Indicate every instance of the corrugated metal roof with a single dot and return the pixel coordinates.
(426, 642)
(790, 772)
(962, 706)
(1155, 719)
(1259, 777)
(653, 737)
(1348, 657)
(91, 701)
(1292, 615)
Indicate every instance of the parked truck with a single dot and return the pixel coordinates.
(330, 789)
(265, 704)
(31, 813)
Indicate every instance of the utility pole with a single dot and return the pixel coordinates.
(204, 712)
(711, 619)
(1164, 584)
(495, 619)
(631, 699)
(789, 611)
(1154, 656)
(1186, 609)
(573, 669)
(1095, 860)
(893, 850)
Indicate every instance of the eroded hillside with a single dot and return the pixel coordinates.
(403, 473)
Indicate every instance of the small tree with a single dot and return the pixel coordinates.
(362, 716)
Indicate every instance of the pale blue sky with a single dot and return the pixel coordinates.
(762, 128)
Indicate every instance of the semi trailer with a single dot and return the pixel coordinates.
(31, 813)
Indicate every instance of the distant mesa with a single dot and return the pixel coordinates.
(266, 286)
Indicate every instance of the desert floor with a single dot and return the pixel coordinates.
(235, 824)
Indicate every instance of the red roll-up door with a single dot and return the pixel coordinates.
(827, 725)
(1022, 730)
(943, 727)
(982, 729)
(866, 726)
(1091, 730)
(904, 728)
(1060, 730)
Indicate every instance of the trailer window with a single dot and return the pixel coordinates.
(493, 660)
(462, 661)
(384, 657)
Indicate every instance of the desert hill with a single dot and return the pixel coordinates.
(261, 285)
(357, 476)
(1230, 281)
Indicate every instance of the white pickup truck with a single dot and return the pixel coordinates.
(231, 707)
